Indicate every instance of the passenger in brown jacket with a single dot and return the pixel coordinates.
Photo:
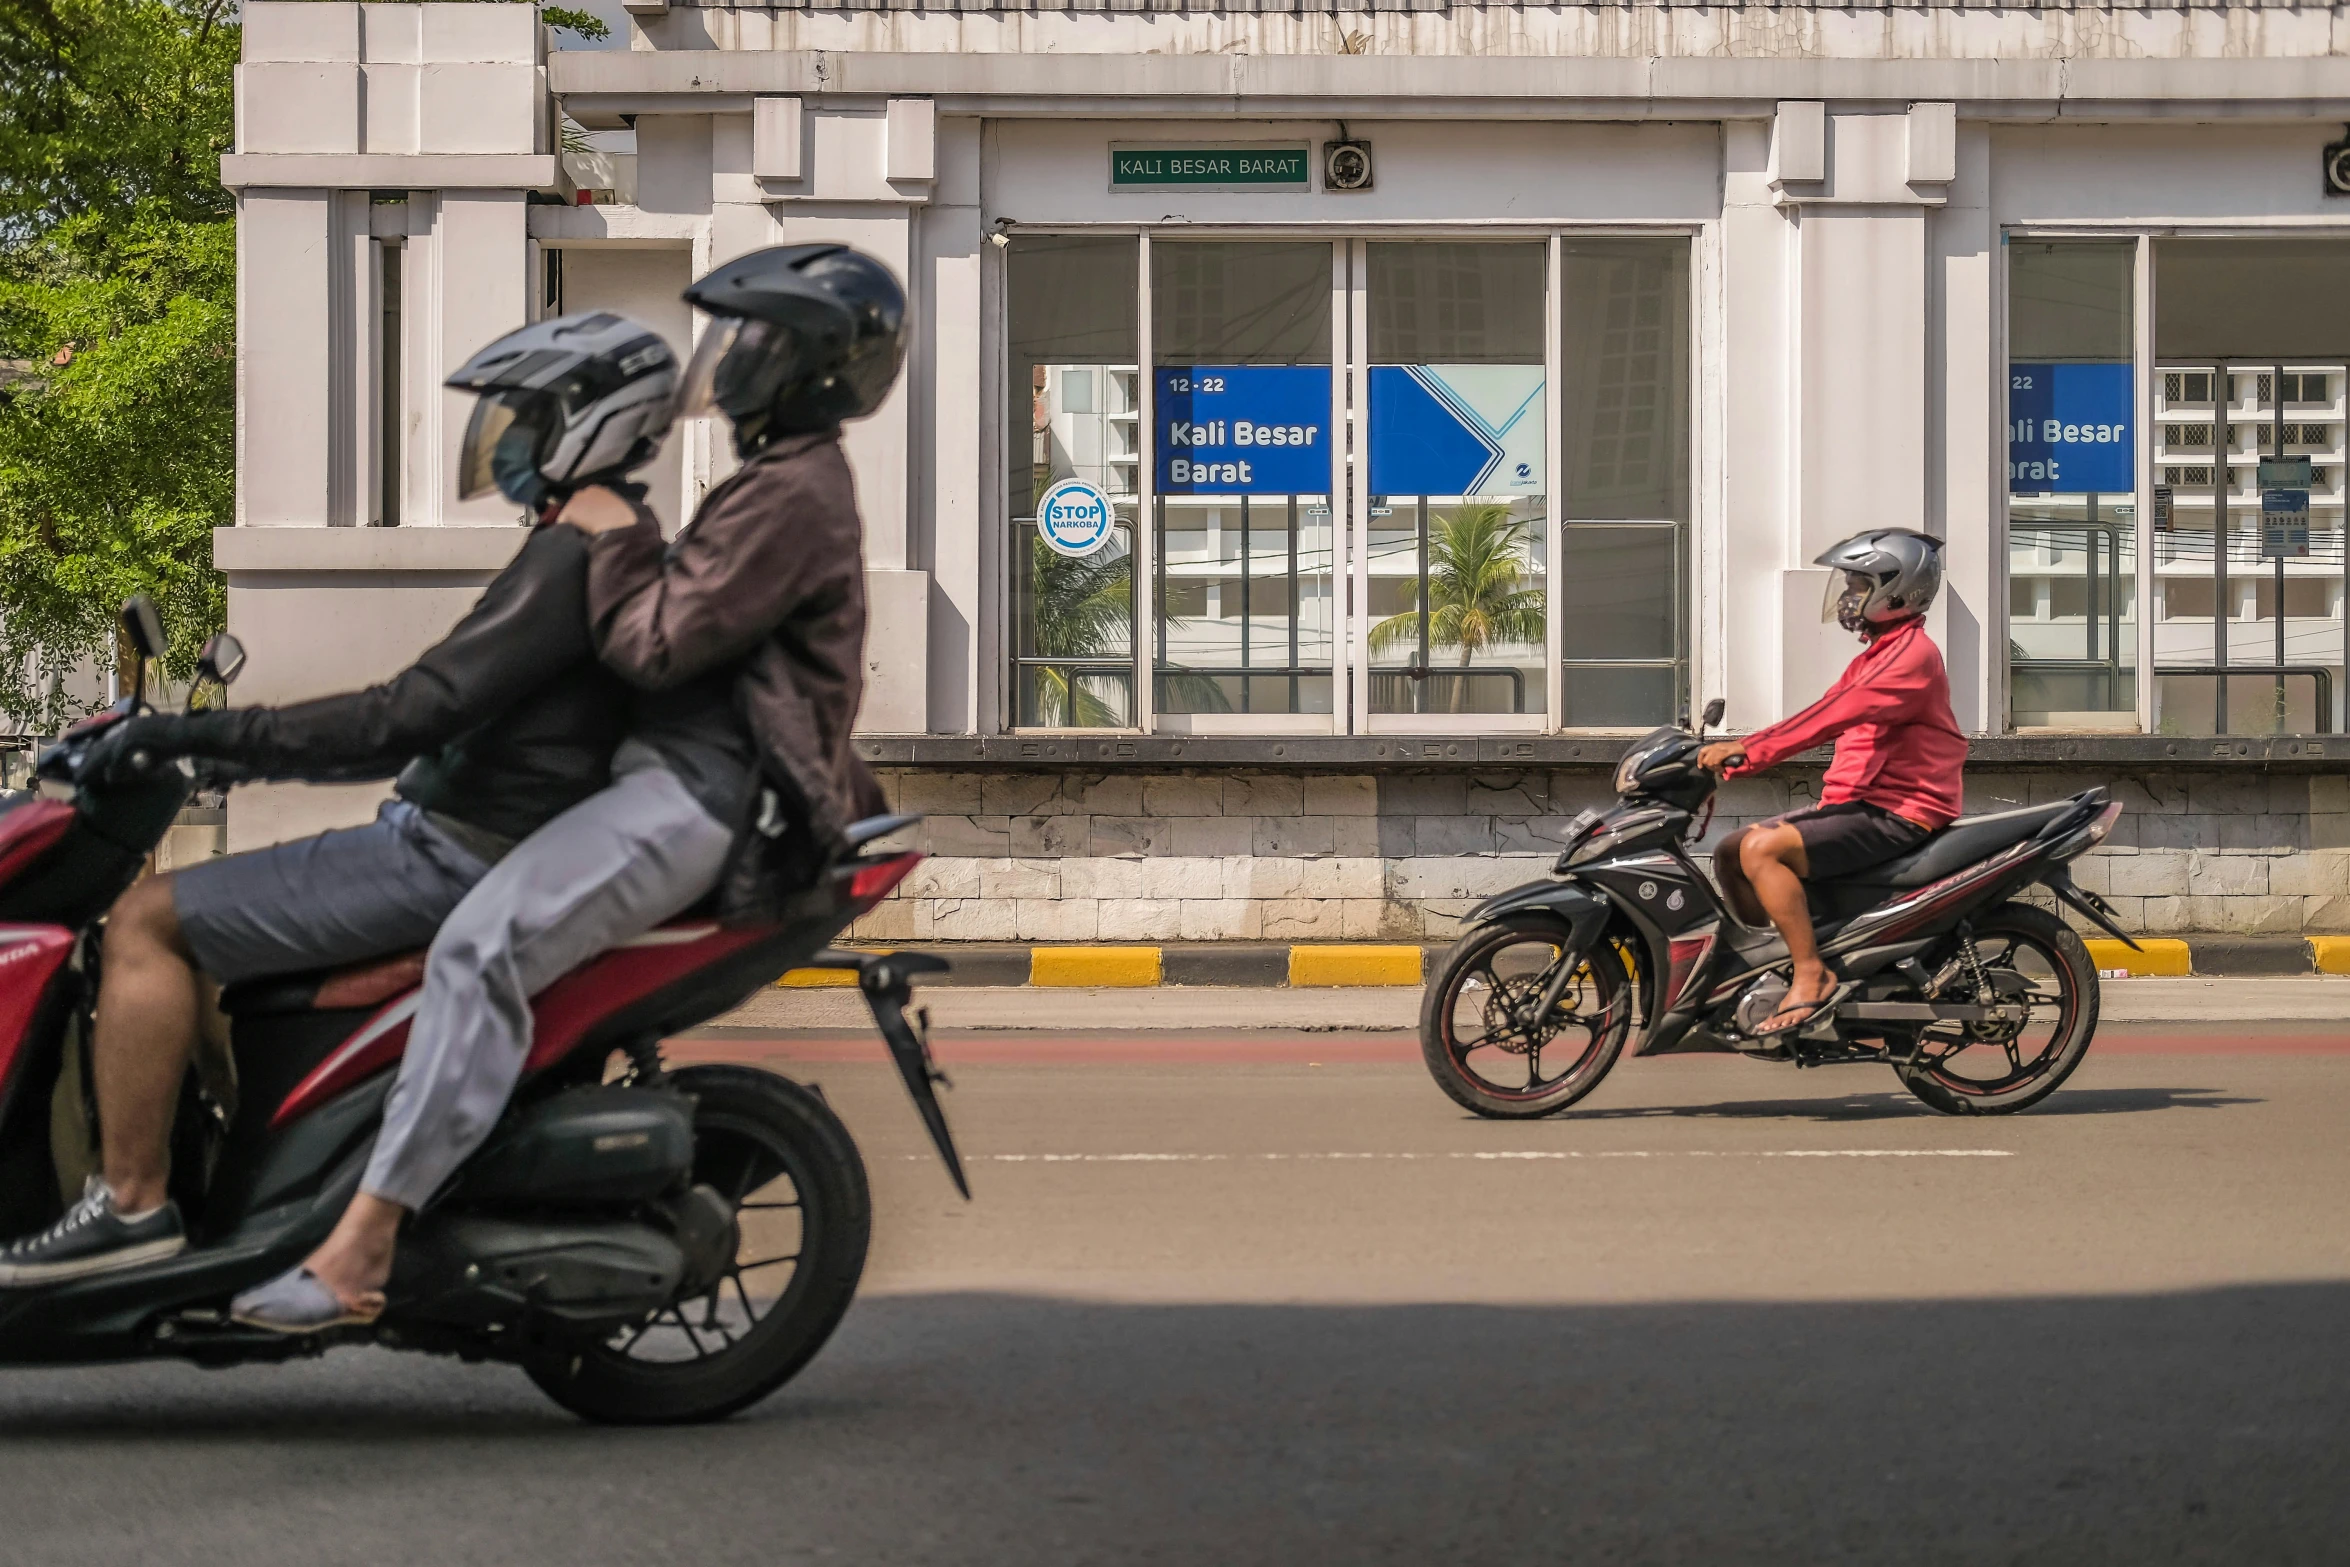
(745, 640)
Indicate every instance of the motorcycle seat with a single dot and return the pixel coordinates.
(1955, 847)
(365, 984)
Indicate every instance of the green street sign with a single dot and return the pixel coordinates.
(1209, 168)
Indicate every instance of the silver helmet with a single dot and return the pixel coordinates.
(1880, 578)
(564, 402)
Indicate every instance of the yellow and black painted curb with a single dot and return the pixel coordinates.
(1107, 965)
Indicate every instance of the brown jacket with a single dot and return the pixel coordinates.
(768, 579)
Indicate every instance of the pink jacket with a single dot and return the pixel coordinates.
(1897, 745)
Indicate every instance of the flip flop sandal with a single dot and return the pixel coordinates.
(1799, 1020)
(297, 1302)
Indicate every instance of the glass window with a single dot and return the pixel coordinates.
(2252, 346)
(2072, 556)
(1459, 478)
(1624, 538)
(1240, 339)
(1070, 333)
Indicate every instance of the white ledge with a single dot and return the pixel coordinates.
(257, 548)
(616, 81)
(389, 170)
(617, 227)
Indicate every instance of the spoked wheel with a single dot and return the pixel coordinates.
(2037, 971)
(1485, 1036)
(777, 1153)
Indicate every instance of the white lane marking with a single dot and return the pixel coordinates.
(1535, 1153)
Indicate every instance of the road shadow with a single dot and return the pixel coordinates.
(1901, 1105)
(2199, 1426)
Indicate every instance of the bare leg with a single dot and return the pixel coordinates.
(1774, 864)
(146, 1032)
(356, 1260)
(1737, 891)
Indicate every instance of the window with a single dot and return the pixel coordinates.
(1624, 542)
(1240, 343)
(1367, 504)
(390, 384)
(2252, 343)
(1459, 462)
(2072, 556)
(1070, 340)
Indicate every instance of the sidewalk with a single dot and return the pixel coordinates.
(2305, 998)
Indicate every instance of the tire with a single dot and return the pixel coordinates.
(753, 1131)
(2071, 985)
(1597, 1003)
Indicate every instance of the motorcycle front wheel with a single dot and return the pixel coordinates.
(2035, 963)
(1480, 1036)
(776, 1151)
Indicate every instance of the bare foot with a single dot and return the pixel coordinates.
(356, 1260)
(1803, 998)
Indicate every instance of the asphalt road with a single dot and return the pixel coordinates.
(1216, 1303)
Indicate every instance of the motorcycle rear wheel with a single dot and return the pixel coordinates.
(1476, 1006)
(1958, 1076)
(778, 1153)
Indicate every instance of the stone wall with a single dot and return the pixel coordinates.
(1253, 856)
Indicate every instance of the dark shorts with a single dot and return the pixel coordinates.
(340, 897)
(1841, 839)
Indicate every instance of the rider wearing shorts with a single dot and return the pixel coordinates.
(1896, 777)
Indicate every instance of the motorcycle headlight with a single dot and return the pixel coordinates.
(1629, 769)
(1598, 846)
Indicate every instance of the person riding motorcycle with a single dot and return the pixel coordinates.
(745, 640)
(501, 726)
(1896, 778)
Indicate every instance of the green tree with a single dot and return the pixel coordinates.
(117, 328)
(1480, 589)
(1080, 607)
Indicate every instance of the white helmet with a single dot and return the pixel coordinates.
(1882, 577)
(563, 403)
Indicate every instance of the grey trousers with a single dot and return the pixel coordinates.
(610, 868)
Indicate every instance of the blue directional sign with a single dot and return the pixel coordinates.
(2071, 429)
(1243, 429)
(1457, 430)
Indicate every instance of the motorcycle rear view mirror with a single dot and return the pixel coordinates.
(143, 628)
(222, 659)
(1713, 714)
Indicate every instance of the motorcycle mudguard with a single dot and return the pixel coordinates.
(1585, 912)
(2059, 880)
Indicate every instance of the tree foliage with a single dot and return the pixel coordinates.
(117, 328)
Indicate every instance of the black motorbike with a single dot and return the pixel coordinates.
(1980, 1003)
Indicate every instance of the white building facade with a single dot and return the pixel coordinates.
(1328, 433)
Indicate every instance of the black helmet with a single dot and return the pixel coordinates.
(1881, 578)
(808, 336)
(564, 402)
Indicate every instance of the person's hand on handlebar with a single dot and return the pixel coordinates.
(132, 749)
(1722, 757)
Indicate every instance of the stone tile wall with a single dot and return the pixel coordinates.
(1401, 856)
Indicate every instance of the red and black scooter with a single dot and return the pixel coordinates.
(649, 1245)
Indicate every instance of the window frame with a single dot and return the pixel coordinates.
(1350, 715)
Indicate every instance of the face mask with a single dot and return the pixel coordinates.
(1848, 607)
(514, 465)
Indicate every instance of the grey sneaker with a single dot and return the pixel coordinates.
(92, 1238)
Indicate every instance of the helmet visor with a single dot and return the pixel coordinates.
(1841, 604)
(503, 442)
(737, 368)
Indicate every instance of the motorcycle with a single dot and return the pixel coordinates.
(1980, 1003)
(649, 1245)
